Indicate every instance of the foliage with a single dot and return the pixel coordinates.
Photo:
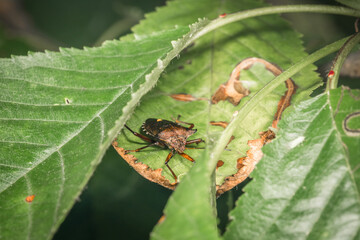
(60, 111)
(310, 183)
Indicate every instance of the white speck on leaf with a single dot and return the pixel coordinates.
(296, 142)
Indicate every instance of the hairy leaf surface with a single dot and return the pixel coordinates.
(305, 187)
(59, 112)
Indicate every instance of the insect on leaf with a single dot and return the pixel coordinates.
(191, 82)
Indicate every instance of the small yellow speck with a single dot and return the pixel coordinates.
(159, 120)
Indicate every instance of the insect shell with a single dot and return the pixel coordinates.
(168, 133)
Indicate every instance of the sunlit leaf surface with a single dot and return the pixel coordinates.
(58, 113)
(306, 186)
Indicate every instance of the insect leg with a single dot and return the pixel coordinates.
(194, 148)
(184, 155)
(198, 140)
(178, 121)
(152, 142)
(139, 149)
(139, 135)
(171, 154)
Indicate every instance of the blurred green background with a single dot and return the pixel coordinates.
(118, 203)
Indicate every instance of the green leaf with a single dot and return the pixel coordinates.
(203, 67)
(190, 212)
(59, 112)
(304, 187)
(346, 111)
(199, 71)
(351, 3)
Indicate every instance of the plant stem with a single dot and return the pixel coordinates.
(352, 41)
(310, 8)
(268, 88)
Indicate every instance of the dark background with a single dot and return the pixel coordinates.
(118, 203)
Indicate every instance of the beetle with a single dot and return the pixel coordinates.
(167, 134)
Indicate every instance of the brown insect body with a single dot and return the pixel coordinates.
(169, 133)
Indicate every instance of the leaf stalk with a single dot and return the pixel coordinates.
(308, 8)
(332, 80)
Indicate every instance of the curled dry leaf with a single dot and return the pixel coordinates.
(148, 173)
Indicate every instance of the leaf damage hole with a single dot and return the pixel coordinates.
(67, 101)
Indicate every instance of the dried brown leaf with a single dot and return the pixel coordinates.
(246, 164)
(143, 169)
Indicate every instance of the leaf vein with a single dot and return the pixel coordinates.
(65, 87)
(12, 166)
(41, 120)
(89, 71)
(30, 213)
(55, 104)
(60, 194)
(28, 143)
(120, 55)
